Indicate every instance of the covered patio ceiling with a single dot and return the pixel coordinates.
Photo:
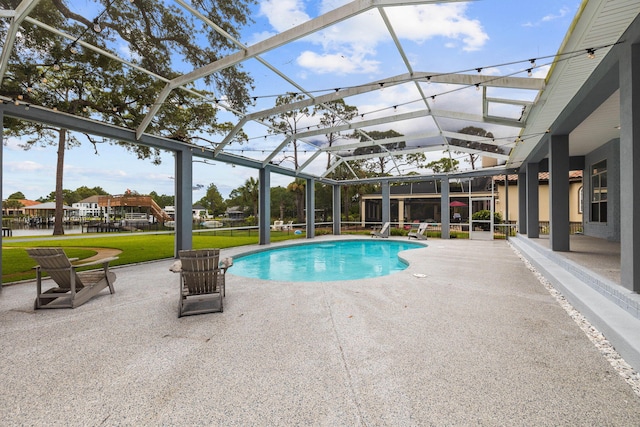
(522, 106)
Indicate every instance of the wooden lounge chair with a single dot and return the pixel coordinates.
(383, 232)
(201, 282)
(74, 288)
(420, 232)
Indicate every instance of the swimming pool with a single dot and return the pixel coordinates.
(326, 261)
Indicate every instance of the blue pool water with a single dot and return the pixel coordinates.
(327, 261)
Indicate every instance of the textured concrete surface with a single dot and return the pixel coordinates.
(478, 341)
(599, 255)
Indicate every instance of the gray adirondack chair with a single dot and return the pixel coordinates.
(73, 288)
(383, 232)
(201, 282)
(420, 232)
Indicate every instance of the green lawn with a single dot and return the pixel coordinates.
(17, 265)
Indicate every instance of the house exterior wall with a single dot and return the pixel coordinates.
(89, 209)
(575, 213)
(411, 207)
(609, 230)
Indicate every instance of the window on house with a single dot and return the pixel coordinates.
(580, 199)
(599, 192)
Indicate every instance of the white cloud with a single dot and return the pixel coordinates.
(284, 14)
(491, 71)
(15, 144)
(563, 12)
(336, 63)
(421, 23)
(258, 37)
(25, 166)
(541, 72)
(351, 46)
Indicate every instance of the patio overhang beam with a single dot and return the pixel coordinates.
(92, 127)
(498, 170)
(460, 79)
(330, 18)
(476, 138)
(408, 116)
(338, 94)
(484, 153)
(383, 141)
(395, 152)
(507, 82)
(347, 159)
(364, 123)
(275, 152)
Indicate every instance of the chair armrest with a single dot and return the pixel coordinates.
(98, 261)
(225, 263)
(176, 267)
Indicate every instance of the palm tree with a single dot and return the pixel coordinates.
(298, 187)
(250, 193)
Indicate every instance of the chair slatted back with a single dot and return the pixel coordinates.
(56, 264)
(200, 270)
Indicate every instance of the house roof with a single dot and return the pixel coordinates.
(542, 176)
(28, 203)
(90, 199)
(48, 206)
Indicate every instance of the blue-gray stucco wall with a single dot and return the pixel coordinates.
(611, 229)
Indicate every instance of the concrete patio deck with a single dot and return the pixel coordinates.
(478, 341)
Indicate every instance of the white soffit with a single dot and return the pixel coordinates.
(601, 126)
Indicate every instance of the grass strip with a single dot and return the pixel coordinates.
(135, 248)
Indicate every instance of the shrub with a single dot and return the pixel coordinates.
(485, 215)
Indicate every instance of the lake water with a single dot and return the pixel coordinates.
(37, 231)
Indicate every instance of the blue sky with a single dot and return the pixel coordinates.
(438, 38)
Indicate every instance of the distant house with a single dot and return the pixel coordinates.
(420, 201)
(19, 211)
(46, 211)
(89, 208)
(170, 211)
(576, 201)
(234, 213)
(197, 211)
